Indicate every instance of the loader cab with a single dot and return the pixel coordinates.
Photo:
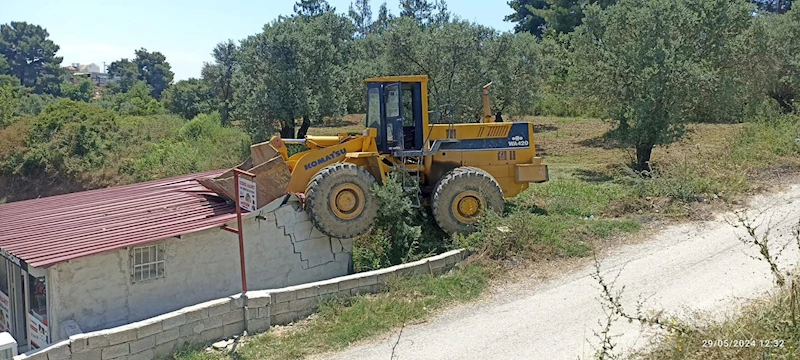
(397, 107)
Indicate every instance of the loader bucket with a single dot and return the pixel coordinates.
(272, 176)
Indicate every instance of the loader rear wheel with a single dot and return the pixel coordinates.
(462, 196)
(339, 201)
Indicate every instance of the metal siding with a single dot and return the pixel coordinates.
(46, 231)
(519, 130)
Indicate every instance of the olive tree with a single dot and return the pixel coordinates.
(648, 62)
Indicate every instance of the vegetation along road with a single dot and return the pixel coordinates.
(682, 268)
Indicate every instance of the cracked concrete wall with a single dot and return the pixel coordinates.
(282, 249)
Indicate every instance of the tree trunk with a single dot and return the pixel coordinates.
(643, 152)
(287, 129)
(225, 115)
(301, 133)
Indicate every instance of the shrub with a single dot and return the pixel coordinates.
(9, 103)
(67, 138)
(33, 104)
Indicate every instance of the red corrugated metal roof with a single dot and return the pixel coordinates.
(49, 230)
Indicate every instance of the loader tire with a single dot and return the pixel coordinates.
(339, 201)
(462, 196)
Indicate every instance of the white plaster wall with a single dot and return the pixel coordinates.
(281, 249)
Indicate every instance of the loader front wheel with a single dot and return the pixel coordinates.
(462, 196)
(339, 201)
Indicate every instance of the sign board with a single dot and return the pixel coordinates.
(247, 194)
(38, 332)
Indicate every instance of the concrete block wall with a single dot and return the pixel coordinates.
(254, 311)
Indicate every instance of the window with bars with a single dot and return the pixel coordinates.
(147, 263)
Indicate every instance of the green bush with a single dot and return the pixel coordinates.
(33, 104)
(67, 138)
(9, 103)
(401, 232)
(185, 147)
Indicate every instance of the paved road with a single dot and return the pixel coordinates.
(698, 266)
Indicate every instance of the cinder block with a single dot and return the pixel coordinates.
(277, 309)
(307, 292)
(196, 314)
(143, 344)
(41, 355)
(265, 311)
(219, 309)
(233, 317)
(164, 350)
(173, 321)
(437, 264)
(258, 299)
(148, 354)
(149, 329)
(349, 284)
(229, 330)
(209, 323)
(250, 313)
(284, 319)
(258, 325)
(386, 277)
(187, 330)
(115, 351)
(212, 334)
(58, 351)
(92, 354)
(121, 334)
(283, 296)
(168, 335)
(97, 340)
(328, 288)
(237, 301)
(78, 343)
(303, 304)
(368, 280)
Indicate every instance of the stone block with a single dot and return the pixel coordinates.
(97, 340)
(143, 344)
(115, 351)
(303, 304)
(149, 329)
(197, 314)
(437, 264)
(168, 335)
(41, 355)
(277, 309)
(229, 330)
(258, 325)
(386, 277)
(205, 324)
(307, 292)
(237, 301)
(258, 299)
(58, 351)
(348, 284)
(164, 350)
(233, 317)
(212, 334)
(148, 354)
(250, 313)
(78, 343)
(368, 280)
(328, 288)
(283, 296)
(187, 330)
(266, 311)
(121, 334)
(173, 321)
(284, 215)
(92, 354)
(283, 319)
(219, 309)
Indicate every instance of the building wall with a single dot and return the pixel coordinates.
(282, 248)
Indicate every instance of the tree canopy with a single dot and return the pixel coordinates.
(30, 55)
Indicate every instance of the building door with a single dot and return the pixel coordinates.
(16, 294)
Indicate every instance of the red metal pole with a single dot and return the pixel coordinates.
(240, 229)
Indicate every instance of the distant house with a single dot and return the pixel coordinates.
(98, 259)
(90, 71)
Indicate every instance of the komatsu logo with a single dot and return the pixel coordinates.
(518, 141)
(323, 160)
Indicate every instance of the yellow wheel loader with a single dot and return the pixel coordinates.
(461, 170)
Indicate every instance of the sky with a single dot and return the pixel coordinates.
(94, 31)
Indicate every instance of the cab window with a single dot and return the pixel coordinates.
(374, 108)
